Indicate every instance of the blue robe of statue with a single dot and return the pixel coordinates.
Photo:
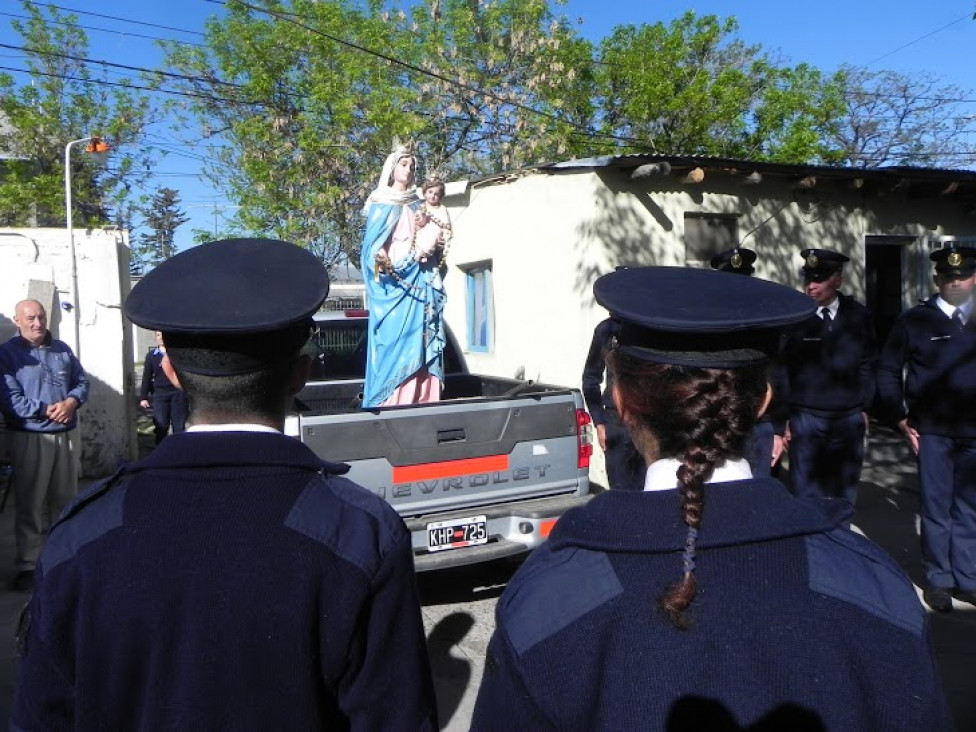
(406, 312)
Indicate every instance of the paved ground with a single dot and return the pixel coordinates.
(458, 605)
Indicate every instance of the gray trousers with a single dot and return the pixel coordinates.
(45, 481)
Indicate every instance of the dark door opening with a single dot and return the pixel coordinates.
(883, 286)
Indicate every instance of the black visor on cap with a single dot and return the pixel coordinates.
(698, 317)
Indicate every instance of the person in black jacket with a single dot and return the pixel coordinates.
(233, 579)
(765, 444)
(625, 466)
(712, 599)
(933, 402)
(158, 392)
(827, 378)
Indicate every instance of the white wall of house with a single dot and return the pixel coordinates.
(36, 263)
(549, 235)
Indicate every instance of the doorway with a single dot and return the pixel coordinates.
(885, 261)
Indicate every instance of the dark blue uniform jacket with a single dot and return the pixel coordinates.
(797, 621)
(599, 401)
(830, 372)
(229, 581)
(940, 383)
(154, 379)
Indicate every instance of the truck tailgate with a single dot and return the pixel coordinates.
(453, 455)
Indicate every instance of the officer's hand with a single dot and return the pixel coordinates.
(911, 433)
(601, 436)
(779, 444)
(144, 404)
(786, 437)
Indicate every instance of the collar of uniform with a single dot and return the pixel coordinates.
(234, 449)
(833, 308)
(662, 474)
(949, 308)
(234, 427)
(735, 513)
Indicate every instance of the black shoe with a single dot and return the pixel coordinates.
(24, 581)
(938, 598)
(965, 596)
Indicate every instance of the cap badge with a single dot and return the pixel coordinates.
(955, 259)
(736, 259)
(812, 261)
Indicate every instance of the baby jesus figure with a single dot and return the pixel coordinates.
(433, 223)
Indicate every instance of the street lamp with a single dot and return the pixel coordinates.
(97, 147)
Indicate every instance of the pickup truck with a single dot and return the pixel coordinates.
(482, 474)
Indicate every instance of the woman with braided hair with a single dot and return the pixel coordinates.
(712, 599)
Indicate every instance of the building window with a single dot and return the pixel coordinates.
(480, 307)
(708, 234)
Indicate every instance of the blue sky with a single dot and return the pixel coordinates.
(936, 37)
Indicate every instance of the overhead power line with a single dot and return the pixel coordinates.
(291, 18)
(967, 16)
(98, 29)
(113, 17)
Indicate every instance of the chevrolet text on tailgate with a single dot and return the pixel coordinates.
(484, 473)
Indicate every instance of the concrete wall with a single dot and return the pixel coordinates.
(549, 235)
(37, 263)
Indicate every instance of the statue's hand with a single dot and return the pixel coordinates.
(383, 263)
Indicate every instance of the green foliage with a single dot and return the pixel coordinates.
(691, 88)
(65, 102)
(311, 114)
(302, 99)
(162, 217)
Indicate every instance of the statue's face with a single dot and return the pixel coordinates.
(403, 171)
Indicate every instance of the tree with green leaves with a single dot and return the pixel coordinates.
(301, 100)
(63, 102)
(305, 99)
(692, 88)
(161, 218)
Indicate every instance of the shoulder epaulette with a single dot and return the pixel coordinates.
(91, 494)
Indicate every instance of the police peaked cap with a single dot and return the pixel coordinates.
(698, 317)
(819, 264)
(737, 259)
(955, 259)
(232, 306)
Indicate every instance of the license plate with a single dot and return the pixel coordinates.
(457, 533)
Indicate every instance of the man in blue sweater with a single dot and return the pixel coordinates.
(232, 580)
(43, 386)
(827, 378)
(933, 402)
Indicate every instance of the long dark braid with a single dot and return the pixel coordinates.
(700, 416)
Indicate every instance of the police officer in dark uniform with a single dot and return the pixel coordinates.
(765, 446)
(625, 466)
(232, 579)
(712, 599)
(934, 404)
(828, 381)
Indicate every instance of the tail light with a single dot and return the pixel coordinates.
(584, 439)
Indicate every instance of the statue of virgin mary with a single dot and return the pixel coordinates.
(404, 362)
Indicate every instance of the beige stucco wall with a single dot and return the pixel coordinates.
(37, 263)
(550, 235)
